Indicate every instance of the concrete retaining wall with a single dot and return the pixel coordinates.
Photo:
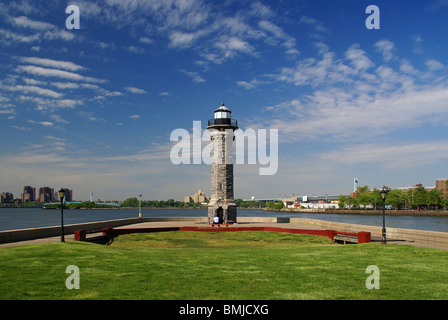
(45, 232)
(420, 236)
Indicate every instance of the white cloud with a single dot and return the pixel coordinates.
(65, 85)
(33, 82)
(59, 35)
(418, 44)
(181, 39)
(66, 65)
(386, 48)
(135, 90)
(146, 40)
(46, 123)
(358, 58)
(350, 99)
(6, 35)
(245, 85)
(434, 65)
(231, 46)
(310, 71)
(58, 119)
(135, 49)
(45, 104)
(249, 85)
(135, 116)
(278, 35)
(316, 24)
(46, 72)
(36, 90)
(32, 24)
(194, 75)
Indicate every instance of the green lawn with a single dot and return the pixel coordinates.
(225, 265)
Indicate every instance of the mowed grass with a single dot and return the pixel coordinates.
(222, 265)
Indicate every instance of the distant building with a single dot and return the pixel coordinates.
(289, 202)
(197, 197)
(6, 197)
(68, 195)
(29, 194)
(46, 194)
(442, 187)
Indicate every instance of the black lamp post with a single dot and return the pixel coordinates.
(383, 194)
(61, 196)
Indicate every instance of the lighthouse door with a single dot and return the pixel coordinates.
(219, 212)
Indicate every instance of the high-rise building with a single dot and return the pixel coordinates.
(29, 194)
(6, 197)
(46, 194)
(68, 195)
(442, 187)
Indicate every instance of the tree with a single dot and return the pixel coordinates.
(342, 200)
(351, 202)
(417, 196)
(434, 198)
(279, 205)
(396, 198)
(170, 203)
(363, 196)
(130, 202)
(376, 198)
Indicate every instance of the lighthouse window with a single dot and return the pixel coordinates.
(222, 115)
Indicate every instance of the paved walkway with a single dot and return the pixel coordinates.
(70, 237)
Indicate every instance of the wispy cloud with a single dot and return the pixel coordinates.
(46, 72)
(194, 75)
(135, 90)
(34, 89)
(386, 48)
(66, 65)
(354, 98)
(25, 22)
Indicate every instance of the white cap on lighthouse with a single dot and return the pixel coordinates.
(222, 112)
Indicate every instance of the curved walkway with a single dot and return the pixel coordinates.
(437, 240)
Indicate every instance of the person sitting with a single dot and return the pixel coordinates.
(216, 220)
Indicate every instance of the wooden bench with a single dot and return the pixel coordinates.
(226, 223)
(345, 238)
(81, 235)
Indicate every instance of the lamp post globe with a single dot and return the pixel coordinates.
(61, 197)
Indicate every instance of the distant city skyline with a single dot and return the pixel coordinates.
(92, 109)
(199, 196)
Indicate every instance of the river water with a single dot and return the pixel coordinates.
(23, 218)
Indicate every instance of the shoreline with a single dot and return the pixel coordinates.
(413, 213)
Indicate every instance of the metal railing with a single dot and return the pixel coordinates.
(223, 122)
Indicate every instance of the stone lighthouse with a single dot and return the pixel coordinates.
(222, 203)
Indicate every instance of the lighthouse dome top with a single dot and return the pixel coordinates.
(223, 108)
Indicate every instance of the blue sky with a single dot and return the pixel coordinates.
(92, 109)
